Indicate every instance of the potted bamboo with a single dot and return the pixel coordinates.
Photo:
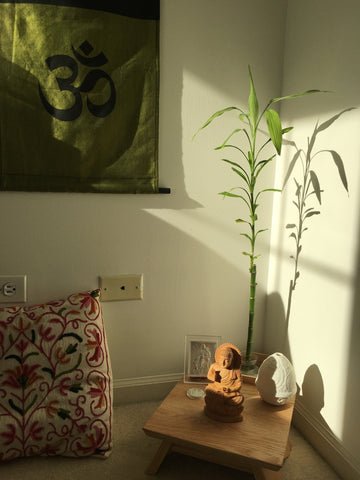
(251, 164)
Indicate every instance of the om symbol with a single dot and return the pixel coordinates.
(89, 82)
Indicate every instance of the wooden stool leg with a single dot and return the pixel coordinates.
(159, 457)
(288, 449)
(265, 474)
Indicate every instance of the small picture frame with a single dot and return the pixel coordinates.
(199, 355)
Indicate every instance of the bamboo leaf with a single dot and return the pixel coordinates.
(269, 190)
(243, 117)
(231, 162)
(286, 130)
(331, 120)
(253, 101)
(245, 201)
(296, 95)
(246, 235)
(316, 185)
(275, 130)
(228, 194)
(290, 225)
(228, 138)
(232, 146)
(291, 166)
(241, 175)
(261, 231)
(293, 235)
(233, 195)
(259, 166)
(263, 163)
(214, 116)
(243, 189)
(237, 165)
(340, 166)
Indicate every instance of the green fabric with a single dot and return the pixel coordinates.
(54, 140)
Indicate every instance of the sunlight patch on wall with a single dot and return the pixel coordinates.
(214, 233)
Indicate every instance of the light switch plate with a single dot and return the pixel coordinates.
(121, 287)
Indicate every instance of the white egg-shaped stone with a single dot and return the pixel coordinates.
(276, 381)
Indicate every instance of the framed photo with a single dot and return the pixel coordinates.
(199, 355)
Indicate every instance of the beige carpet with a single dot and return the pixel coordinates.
(133, 451)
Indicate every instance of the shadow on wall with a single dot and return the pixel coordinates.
(313, 393)
(351, 426)
(312, 388)
(276, 325)
(308, 187)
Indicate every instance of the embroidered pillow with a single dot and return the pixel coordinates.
(55, 379)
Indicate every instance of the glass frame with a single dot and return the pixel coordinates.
(199, 355)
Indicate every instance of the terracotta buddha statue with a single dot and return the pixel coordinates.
(223, 401)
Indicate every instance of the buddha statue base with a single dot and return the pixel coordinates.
(223, 401)
(223, 408)
(223, 418)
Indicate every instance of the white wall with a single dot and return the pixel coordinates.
(186, 244)
(322, 339)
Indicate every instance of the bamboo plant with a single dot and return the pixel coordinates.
(251, 163)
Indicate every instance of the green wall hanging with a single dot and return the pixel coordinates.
(79, 91)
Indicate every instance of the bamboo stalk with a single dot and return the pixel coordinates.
(249, 343)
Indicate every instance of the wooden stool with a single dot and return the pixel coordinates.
(259, 444)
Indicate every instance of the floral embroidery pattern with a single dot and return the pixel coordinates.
(55, 379)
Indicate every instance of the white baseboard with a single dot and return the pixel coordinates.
(141, 389)
(325, 442)
(321, 438)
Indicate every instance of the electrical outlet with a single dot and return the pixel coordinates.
(121, 287)
(12, 288)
